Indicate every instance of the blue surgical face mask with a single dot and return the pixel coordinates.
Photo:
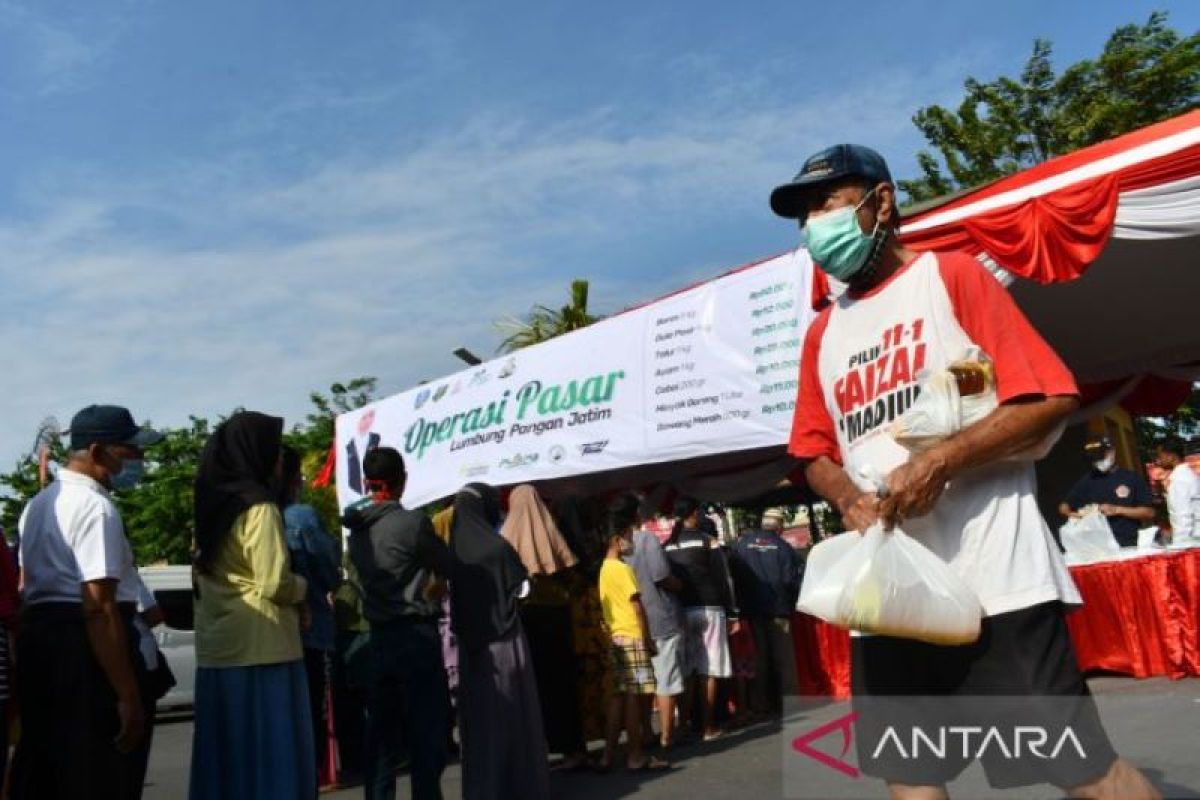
(130, 475)
(837, 243)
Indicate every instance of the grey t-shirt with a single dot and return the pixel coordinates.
(649, 562)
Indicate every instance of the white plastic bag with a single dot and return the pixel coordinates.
(940, 411)
(890, 584)
(1089, 537)
(825, 573)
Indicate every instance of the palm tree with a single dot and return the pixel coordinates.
(543, 323)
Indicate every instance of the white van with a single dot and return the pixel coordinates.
(172, 588)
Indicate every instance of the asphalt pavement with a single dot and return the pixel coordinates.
(749, 763)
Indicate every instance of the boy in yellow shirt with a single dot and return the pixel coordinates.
(632, 646)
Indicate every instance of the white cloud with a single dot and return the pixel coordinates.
(390, 259)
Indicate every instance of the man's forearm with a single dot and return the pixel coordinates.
(1010, 429)
(831, 482)
(1137, 513)
(106, 634)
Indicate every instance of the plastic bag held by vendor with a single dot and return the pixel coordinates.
(1089, 537)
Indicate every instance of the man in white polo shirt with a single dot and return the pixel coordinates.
(81, 684)
(965, 499)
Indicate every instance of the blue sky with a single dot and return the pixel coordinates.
(221, 204)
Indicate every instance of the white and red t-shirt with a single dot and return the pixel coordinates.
(858, 372)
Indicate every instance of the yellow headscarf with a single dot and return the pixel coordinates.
(442, 521)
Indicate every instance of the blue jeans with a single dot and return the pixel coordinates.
(408, 703)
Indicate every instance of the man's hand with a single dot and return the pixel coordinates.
(106, 635)
(861, 513)
(133, 725)
(1110, 510)
(913, 488)
(153, 616)
(735, 626)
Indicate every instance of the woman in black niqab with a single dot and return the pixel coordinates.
(488, 573)
(237, 470)
(503, 742)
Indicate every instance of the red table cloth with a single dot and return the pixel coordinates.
(1140, 617)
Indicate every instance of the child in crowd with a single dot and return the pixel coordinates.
(632, 646)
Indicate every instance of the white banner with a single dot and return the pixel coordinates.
(712, 369)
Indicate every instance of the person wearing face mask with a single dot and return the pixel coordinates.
(82, 684)
(964, 499)
(1122, 496)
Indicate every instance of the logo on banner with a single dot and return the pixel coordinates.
(508, 369)
(557, 454)
(441, 392)
(592, 448)
(474, 470)
(479, 378)
(422, 398)
(519, 460)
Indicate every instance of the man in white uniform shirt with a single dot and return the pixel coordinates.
(1183, 490)
(81, 680)
(965, 498)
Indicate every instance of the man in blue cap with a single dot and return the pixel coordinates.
(967, 498)
(81, 683)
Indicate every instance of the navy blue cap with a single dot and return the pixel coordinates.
(831, 164)
(109, 425)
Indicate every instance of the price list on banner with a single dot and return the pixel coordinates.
(776, 338)
(722, 360)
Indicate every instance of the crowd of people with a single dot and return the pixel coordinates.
(533, 629)
(530, 631)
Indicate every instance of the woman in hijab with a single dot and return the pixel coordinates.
(589, 637)
(442, 521)
(503, 746)
(546, 619)
(252, 734)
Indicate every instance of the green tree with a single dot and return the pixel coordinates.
(1183, 424)
(21, 484)
(158, 513)
(1145, 74)
(543, 323)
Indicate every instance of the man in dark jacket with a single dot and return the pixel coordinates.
(766, 571)
(710, 612)
(399, 558)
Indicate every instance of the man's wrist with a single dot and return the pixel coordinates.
(846, 501)
(944, 458)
